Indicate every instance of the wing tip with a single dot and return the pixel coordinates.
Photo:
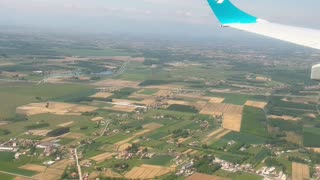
(228, 14)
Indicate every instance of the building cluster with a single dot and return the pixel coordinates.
(194, 144)
(141, 153)
(270, 172)
(267, 172)
(187, 169)
(317, 172)
(227, 166)
(180, 160)
(13, 144)
(204, 125)
(87, 163)
(49, 148)
(28, 147)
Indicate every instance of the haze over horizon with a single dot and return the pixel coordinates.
(190, 19)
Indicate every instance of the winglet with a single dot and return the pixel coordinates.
(228, 14)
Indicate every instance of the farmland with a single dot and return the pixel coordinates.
(144, 110)
(8, 164)
(20, 94)
(311, 137)
(253, 121)
(300, 171)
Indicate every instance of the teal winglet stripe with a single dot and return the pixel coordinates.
(227, 13)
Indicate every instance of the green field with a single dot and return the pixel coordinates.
(237, 175)
(8, 164)
(220, 144)
(155, 82)
(254, 121)
(295, 126)
(148, 91)
(113, 138)
(53, 120)
(247, 176)
(231, 157)
(261, 155)
(139, 72)
(157, 135)
(168, 113)
(92, 150)
(122, 93)
(65, 141)
(159, 160)
(182, 108)
(245, 138)
(311, 137)
(208, 72)
(20, 94)
(6, 176)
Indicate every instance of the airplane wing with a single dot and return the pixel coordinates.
(230, 16)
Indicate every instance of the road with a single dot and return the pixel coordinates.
(78, 165)
(76, 151)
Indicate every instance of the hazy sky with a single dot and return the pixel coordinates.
(147, 16)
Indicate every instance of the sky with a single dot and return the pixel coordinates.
(167, 17)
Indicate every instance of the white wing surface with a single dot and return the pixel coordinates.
(231, 16)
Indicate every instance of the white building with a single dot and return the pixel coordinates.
(8, 149)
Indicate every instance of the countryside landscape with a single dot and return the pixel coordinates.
(87, 108)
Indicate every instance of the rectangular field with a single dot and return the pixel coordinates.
(117, 83)
(300, 171)
(121, 108)
(216, 100)
(54, 108)
(311, 137)
(102, 95)
(284, 117)
(42, 132)
(232, 121)
(33, 167)
(152, 126)
(66, 124)
(256, 104)
(245, 138)
(221, 108)
(18, 94)
(54, 171)
(147, 172)
(102, 157)
(254, 121)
